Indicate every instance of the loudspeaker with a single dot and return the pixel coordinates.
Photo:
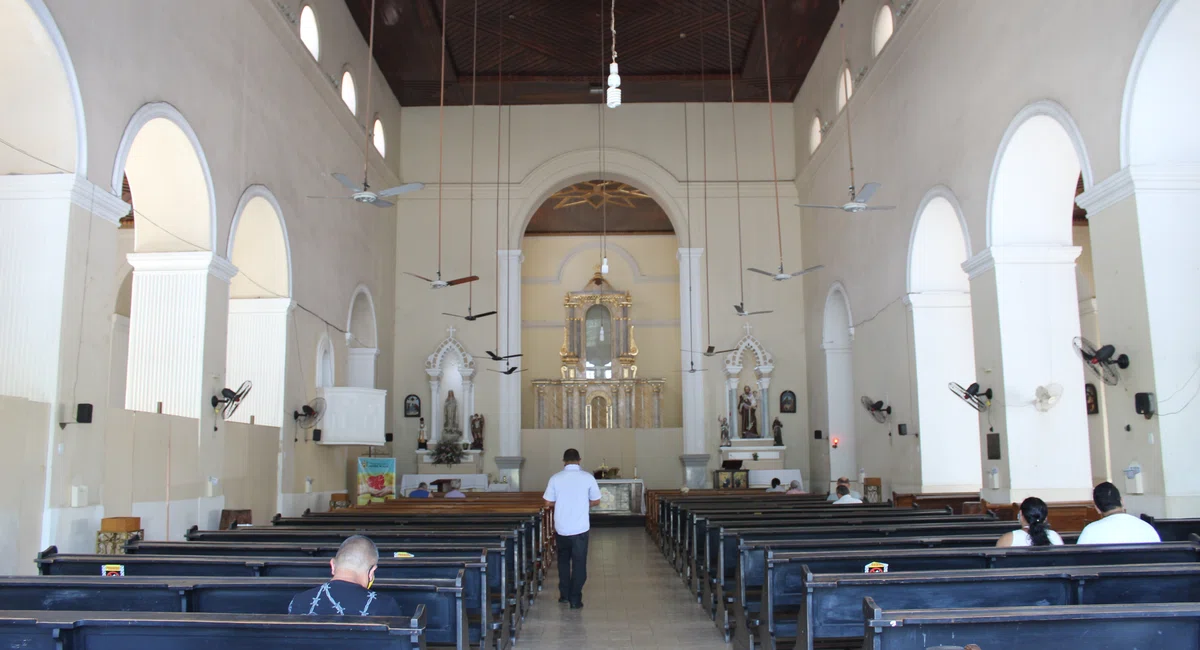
(387, 437)
(817, 434)
(1145, 404)
(83, 413)
(902, 429)
(316, 435)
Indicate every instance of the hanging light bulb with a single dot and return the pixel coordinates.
(604, 266)
(614, 86)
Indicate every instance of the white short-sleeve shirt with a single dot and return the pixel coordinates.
(572, 491)
(1020, 537)
(1119, 528)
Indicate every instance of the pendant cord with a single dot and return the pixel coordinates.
(846, 93)
(508, 235)
(441, 136)
(704, 157)
(737, 179)
(687, 190)
(771, 121)
(600, 139)
(471, 199)
(370, 123)
(499, 140)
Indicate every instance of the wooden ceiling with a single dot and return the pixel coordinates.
(553, 55)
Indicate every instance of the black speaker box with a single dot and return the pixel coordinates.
(387, 437)
(83, 413)
(316, 435)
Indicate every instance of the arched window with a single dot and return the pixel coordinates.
(883, 28)
(598, 359)
(349, 97)
(845, 88)
(814, 134)
(378, 138)
(309, 35)
(324, 375)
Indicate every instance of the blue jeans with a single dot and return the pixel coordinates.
(572, 566)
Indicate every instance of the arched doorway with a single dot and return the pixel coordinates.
(837, 340)
(1026, 313)
(939, 305)
(259, 305)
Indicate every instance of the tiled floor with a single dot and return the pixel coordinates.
(633, 599)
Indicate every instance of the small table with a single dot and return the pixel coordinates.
(621, 496)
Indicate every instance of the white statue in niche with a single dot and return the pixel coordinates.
(450, 427)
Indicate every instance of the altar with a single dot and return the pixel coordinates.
(621, 496)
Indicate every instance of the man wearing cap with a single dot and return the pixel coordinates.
(572, 492)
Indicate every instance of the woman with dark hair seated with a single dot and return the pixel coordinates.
(1035, 530)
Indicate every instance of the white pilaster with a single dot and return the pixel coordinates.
(435, 404)
(360, 366)
(510, 343)
(692, 337)
(172, 343)
(257, 351)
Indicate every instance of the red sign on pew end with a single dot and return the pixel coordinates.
(112, 570)
(876, 567)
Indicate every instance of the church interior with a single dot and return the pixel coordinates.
(269, 266)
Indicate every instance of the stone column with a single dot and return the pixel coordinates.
(1025, 310)
(731, 385)
(510, 343)
(692, 338)
(764, 404)
(468, 379)
(177, 333)
(257, 350)
(435, 404)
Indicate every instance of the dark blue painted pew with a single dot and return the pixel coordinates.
(1174, 530)
(32, 630)
(446, 617)
(786, 588)
(1173, 626)
(481, 603)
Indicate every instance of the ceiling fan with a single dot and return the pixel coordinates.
(509, 371)
(496, 357)
(471, 317)
(362, 193)
(781, 275)
(711, 351)
(741, 310)
(860, 198)
(439, 283)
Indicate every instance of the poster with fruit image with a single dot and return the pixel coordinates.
(376, 479)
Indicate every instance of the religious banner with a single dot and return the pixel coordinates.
(376, 479)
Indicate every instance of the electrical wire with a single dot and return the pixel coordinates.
(771, 120)
(471, 199)
(737, 179)
(704, 202)
(600, 138)
(441, 136)
(499, 141)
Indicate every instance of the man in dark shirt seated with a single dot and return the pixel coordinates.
(348, 593)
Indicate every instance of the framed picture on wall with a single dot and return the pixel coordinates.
(412, 406)
(1091, 398)
(787, 402)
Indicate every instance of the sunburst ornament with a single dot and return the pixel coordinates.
(598, 194)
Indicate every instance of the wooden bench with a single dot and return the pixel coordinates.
(155, 630)
(1095, 627)
(1174, 530)
(936, 501)
(442, 600)
(482, 603)
(1070, 516)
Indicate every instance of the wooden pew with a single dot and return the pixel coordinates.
(1174, 530)
(936, 501)
(1095, 627)
(442, 600)
(786, 586)
(481, 603)
(1070, 516)
(153, 631)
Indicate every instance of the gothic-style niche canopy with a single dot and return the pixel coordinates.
(450, 369)
(749, 350)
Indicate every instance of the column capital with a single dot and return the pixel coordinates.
(511, 254)
(78, 190)
(691, 253)
(207, 261)
(994, 256)
(1139, 178)
(509, 462)
(937, 299)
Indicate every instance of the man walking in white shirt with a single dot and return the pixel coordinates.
(571, 493)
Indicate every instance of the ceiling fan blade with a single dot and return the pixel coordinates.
(341, 178)
(825, 207)
(445, 313)
(808, 270)
(419, 277)
(770, 275)
(880, 207)
(402, 189)
(716, 352)
(755, 313)
(484, 314)
(469, 278)
(380, 203)
(864, 195)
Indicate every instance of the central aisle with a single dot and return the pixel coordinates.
(633, 599)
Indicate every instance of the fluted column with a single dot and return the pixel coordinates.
(177, 332)
(510, 343)
(257, 351)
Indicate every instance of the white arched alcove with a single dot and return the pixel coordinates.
(939, 305)
(450, 368)
(259, 306)
(837, 340)
(1026, 311)
(362, 340)
(324, 376)
(749, 347)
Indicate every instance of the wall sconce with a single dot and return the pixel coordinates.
(835, 440)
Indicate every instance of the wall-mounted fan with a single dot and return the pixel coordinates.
(310, 414)
(973, 395)
(1102, 360)
(229, 400)
(1046, 397)
(877, 409)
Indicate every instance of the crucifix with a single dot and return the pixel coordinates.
(747, 327)
(451, 330)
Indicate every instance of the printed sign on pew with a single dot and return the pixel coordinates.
(876, 567)
(116, 570)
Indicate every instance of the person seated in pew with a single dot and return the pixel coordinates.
(795, 488)
(776, 486)
(844, 496)
(349, 592)
(1035, 528)
(454, 492)
(422, 492)
(833, 496)
(1115, 526)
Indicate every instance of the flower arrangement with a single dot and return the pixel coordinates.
(447, 452)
